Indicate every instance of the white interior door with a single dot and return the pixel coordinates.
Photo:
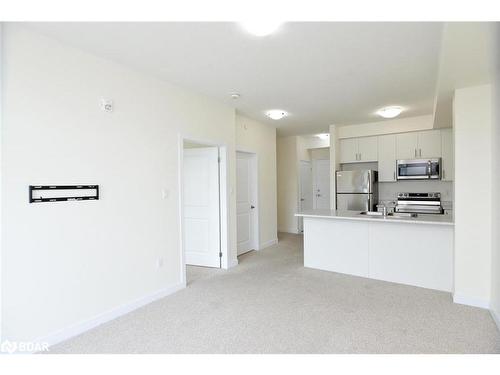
(201, 206)
(321, 185)
(306, 189)
(246, 202)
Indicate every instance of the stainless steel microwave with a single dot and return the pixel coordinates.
(419, 169)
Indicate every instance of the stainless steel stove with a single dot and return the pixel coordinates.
(422, 203)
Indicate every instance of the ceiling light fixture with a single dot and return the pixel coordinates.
(323, 136)
(276, 114)
(390, 112)
(261, 27)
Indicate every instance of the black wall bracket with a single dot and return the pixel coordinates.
(40, 188)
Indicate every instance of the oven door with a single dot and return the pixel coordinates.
(421, 169)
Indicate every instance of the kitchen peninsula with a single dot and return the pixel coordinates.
(408, 250)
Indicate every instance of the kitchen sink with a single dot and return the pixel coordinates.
(390, 214)
(371, 213)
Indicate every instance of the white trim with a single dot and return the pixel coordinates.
(471, 301)
(496, 318)
(224, 201)
(254, 157)
(263, 245)
(233, 263)
(84, 326)
(289, 230)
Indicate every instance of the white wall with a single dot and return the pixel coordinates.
(320, 153)
(495, 188)
(288, 184)
(64, 263)
(255, 137)
(473, 195)
(399, 125)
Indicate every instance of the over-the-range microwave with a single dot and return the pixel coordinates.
(419, 169)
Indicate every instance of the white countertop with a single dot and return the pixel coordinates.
(356, 215)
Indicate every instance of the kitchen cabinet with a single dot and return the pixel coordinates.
(348, 150)
(364, 149)
(406, 146)
(416, 145)
(429, 144)
(387, 158)
(447, 166)
(368, 149)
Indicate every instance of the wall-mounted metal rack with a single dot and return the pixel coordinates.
(51, 197)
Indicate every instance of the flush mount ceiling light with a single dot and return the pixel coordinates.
(390, 112)
(261, 28)
(323, 136)
(276, 114)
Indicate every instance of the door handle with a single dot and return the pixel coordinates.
(302, 199)
(252, 207)
(318, 195)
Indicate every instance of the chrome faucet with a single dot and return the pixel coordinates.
(384, 209)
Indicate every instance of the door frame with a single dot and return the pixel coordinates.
(224, 199)
(300, 222)
(255, 194)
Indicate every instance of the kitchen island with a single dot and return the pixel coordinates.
(414, 251)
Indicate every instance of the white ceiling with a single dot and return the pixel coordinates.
(321, 73)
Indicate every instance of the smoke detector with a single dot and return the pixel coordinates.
(235, 95)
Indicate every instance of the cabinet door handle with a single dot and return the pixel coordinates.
(444, 174)
(394, 175)
(360, 156)
(415, 152)
(420, 152)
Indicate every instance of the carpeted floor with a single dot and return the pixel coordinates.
(270, 303)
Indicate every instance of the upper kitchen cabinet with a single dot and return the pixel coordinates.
(348, 150)
(406, 145)
(429, 144)
(368, 149)
(424, 144)
(387, 158)
(447, 173)
(364, 149)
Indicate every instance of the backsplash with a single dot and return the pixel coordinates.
(388, 191)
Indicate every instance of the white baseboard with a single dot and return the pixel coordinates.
(79, 328)
(289, 230)
(263, 245)
(471, 301)
(496, 318)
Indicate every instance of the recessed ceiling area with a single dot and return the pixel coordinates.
(319, 73)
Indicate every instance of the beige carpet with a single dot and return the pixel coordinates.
(270, 303)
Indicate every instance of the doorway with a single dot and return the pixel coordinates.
(321, 184)
(247, 215)
(203, 208)
(305, 190)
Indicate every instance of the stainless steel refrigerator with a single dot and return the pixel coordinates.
(357, 190)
